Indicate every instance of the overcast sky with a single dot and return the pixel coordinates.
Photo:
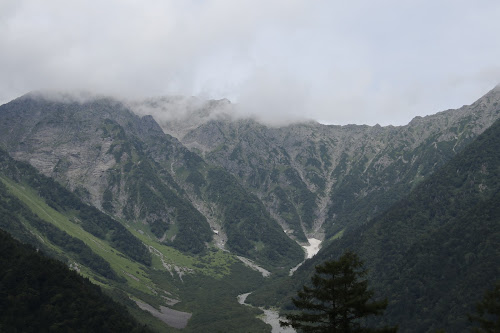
(338, 62)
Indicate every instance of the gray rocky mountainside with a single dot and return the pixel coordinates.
(227, 180)
(317, 180)
(126, 166)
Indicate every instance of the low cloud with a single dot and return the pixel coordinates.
(69, 96)
(274, 99)
(277, 61)
(177, 108)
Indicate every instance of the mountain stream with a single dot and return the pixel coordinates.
(272, 317)
(311, 250)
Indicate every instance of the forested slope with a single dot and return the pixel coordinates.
(434, 253)
(89, 217)
(38, 294)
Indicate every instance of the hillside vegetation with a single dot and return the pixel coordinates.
(434, 253)
(38, 294)
(169, 279)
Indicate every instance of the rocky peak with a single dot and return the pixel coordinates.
(333, 165)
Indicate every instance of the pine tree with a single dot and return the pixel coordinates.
(488, 311)
(338, 299)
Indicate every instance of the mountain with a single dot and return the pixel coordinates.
(133, 268)
(435, 252)
(316, 178)
(163, 211)
(127, 167)
(307, 179)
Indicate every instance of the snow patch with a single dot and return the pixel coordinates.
(312, 248)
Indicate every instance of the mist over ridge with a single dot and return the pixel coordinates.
(192, 111)
(338, 63)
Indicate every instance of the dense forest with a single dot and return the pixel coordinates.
(249, 226)
(39, 294)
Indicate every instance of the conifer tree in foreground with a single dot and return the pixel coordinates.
(338, 299)
(488, 311)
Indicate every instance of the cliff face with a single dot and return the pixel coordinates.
(311, 179)
(126, 166)
(316, 178)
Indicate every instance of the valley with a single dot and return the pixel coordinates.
(187, 219)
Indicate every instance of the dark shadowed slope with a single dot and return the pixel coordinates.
(434, 253)
(38, 294)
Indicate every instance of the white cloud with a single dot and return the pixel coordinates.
(274, 98)
(335, 61)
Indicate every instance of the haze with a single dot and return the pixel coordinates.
(337, 62)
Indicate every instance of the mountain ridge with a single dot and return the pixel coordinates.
(325, 162)
(434, 252)
(298, 171)
(125, 165)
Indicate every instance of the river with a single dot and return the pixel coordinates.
(270, 317)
